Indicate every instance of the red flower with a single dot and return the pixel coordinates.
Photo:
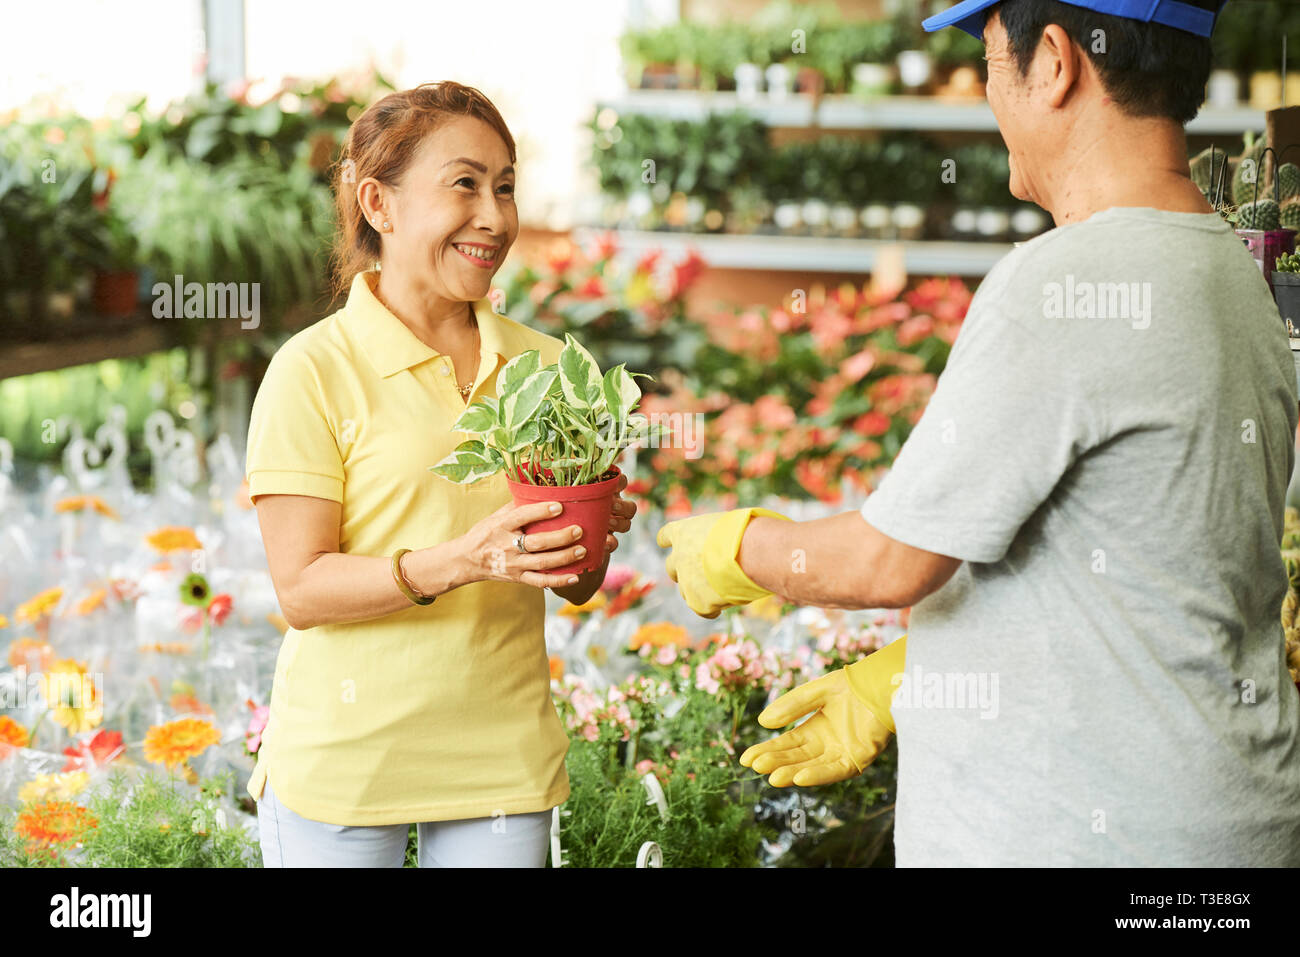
(219, 608)
(914, 330)
(593, 288)
(685, 273)
(872, 423)
(604, 246)
(104, 747)
(648, 261)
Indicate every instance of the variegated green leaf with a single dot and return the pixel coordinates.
(579, 374)
(520, 404)
(517, 370)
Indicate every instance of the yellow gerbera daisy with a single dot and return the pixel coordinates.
(72, 697)
(61, 786)
(39, 606)
(177, 741)
(174, 538)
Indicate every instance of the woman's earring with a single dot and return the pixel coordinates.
(385, 224)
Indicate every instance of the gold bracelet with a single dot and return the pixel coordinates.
(415, 597)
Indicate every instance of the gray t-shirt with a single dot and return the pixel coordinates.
(1102, 681)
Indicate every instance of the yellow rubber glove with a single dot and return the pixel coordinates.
(703, 559)
(850, 725)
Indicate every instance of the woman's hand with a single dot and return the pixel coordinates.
(620, 520)
(491, 554)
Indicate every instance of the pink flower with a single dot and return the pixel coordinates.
(704, 680)
(616, 576)
(256, 725)
(590, 732)
(191, 620)
(856, 366)
(667, 655)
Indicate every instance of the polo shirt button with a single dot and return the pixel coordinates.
(446, 371)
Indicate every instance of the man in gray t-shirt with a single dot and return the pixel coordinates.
(1108, 452)
(1086, 519)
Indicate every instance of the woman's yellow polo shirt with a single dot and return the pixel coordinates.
(434, 712)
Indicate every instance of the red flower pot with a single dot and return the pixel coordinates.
(114, 293)
(590, 506)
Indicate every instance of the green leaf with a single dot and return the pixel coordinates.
(517, 370)
(521, 404)
(477, 419)
(579, 374)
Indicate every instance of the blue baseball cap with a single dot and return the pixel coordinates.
(969, 14)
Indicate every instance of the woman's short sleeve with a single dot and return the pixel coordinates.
(292, 449)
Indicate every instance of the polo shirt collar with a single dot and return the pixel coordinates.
(391, 347)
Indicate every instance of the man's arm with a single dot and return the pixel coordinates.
(839, 562)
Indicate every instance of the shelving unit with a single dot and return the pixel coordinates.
(843, 112)
(808, 253)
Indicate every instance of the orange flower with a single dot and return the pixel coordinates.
(557, 667)
(174, 538)
(177, 741)
(54, 822)
(32, 654)
(92, 601)
(189, 704)
(659, 634)
(166, 648)
(77, 503)
(12, 733)
(594, 603)
(38, 606)
(4, 622)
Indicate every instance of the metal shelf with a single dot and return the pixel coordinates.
(844, 112)
(807, 253)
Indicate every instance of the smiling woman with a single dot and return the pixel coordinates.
(413, 685)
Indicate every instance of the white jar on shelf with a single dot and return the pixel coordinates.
(787, 215)
(992, 222)
(875, 218)
(908, 219)
(844, 218)
(749, 81)
(1224, 89)
(779, 81)
(915, 67)
(1028, 222)
(872, 79)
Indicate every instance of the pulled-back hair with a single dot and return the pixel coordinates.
(381, 144)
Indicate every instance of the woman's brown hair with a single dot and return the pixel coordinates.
(381, 144)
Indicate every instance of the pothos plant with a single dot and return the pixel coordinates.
(565, 419)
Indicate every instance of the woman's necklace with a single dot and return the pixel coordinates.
(464, 390)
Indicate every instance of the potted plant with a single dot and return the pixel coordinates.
(555, 431)
(1286, 290)
(116, 287)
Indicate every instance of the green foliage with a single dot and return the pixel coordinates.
(152, 820)
(1287, 262)
(564, 418)
(1264, 214)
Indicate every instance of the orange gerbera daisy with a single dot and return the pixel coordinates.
(177, 741)
(30, 653)
(174, 538)
(658, 634)
(54, 822)
(38, 606)
(12, 733)
(557, 667)
(92, 601)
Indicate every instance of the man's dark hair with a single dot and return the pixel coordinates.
(1148, 69)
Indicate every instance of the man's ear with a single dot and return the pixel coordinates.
(1059, 63)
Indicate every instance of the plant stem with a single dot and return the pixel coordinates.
(31, 735)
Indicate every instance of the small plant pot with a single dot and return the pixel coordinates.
(115, 294)
(915, 68)
(1224, 89)
(590, 506)
(1286, 293)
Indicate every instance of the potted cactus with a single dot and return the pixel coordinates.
(555, 431)
(1286, 291)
